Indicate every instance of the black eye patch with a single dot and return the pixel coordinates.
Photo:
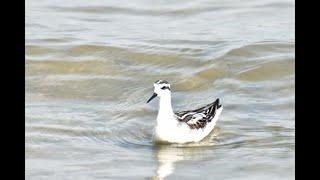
(165, 87)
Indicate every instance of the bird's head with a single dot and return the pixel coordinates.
(161, 89)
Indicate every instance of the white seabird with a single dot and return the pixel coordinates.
(183, 126)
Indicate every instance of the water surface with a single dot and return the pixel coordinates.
(90, 66)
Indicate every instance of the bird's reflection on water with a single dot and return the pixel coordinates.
(168, 155)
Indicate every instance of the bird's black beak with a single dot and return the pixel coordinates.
(153, 96)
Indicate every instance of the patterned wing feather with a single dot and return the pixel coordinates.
(198, 118)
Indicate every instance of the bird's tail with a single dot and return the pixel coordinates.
(217, 103)
(214, 106)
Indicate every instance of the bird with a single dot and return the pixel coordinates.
(182, 126)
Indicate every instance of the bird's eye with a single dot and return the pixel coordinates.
(165, 87)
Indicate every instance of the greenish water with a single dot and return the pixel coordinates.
(90, 66)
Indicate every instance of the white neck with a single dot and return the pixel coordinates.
(165, 113)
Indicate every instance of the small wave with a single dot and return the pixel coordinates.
(65, 131)
(186, 11)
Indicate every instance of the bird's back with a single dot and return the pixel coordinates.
(200, 117)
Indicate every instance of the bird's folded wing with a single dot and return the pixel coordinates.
(198, 118)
